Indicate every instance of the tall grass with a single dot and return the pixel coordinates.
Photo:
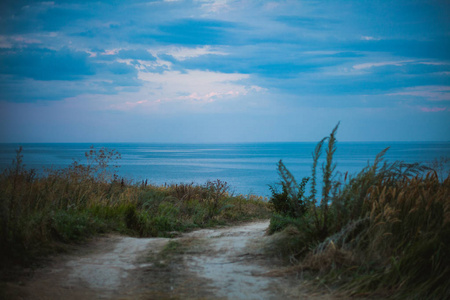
(39, 214)
(384, 231)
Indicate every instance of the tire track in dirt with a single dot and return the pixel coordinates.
(220, 263)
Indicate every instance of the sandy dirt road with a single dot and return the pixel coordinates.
(221, 263)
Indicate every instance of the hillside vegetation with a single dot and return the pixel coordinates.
(384, 231)
(41, 214)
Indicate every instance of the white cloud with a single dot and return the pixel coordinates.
(169, 92)
(194, 85)
(91, 54)
(183, 53)
(257, 88)
(111, 51)
(435, 63)
(381, 64)
(127, 105)
(215, 6)
(369, 38)
(17, 41)
(431, 93)
(211, 97)
(4, 42)
(24, 40)
(433, 109)
(320, 52)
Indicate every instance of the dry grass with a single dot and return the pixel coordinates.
(68, 205)
(385, 231)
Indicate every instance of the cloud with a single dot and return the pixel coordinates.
(5, 42)
(380, 64)
(433, 109)
(56, 17)
(111, 52)
(183, 53)
(215, 6)
(430, 93)
(436, 48)
(149, 57)
(128, 105)
(194, 85)
(173, 92)
(194, 32)
(369, 38)
(17, 41)
(141, 54)
(30, 90)
(121, 68)
(211, 96)
(45, 64)
(262, 61)
(44, 79)
(306, 22)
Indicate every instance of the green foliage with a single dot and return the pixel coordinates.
(291, 201)
(68, 205)
(67, 226)
(389, 224)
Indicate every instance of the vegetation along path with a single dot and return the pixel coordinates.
(222, 263)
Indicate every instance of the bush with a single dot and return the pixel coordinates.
(390, 224)
(68, 205)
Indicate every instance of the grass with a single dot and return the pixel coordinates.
(41, 214)
(384, 232)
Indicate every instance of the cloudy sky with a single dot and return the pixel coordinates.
(207, 71)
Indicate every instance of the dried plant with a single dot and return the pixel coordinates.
(389, 224)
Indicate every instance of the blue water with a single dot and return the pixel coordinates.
(248, 168)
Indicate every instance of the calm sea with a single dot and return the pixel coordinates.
(248, 168)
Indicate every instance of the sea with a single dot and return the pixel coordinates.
(248, 168)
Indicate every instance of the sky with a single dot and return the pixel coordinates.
(221, 71)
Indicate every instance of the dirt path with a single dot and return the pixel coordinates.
(224, 263)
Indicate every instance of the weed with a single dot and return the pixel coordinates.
(383, 231)
(84, 199)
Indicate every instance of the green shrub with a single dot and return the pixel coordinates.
(291, 201)
(68, 226)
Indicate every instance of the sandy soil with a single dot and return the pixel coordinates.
(223, 263)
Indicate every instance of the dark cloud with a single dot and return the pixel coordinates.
(31, 74)
(55, 18)
(121, 69)
(437, 48)
(295, 55)
(136, 54)
(86, 34)
(267, 62)
(315, 23)
(192, 32)
(45, 64)
(28, 90)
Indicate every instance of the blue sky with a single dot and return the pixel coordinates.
(208, 71)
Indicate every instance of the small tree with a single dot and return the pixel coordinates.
(99, 162)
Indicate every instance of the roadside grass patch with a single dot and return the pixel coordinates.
(38, 213)
(383, 232)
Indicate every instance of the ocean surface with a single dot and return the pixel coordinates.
(247, 168)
